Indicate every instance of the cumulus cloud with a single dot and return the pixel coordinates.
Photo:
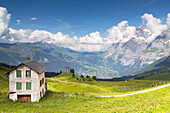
(123, 32)
(92, 38)
(87, 47)
(4, 19)
(32, 36)
(168, 19)
(154, 25)
(92, 42)
(33, 18)
(18, 21)
(28, 35)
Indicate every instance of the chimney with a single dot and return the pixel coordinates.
(28, 58)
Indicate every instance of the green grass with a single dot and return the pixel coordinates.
(161, 76)
(3, 79)
(67, 84)
(156, 101)
(3, 83)
(70, 95)
(79, 88)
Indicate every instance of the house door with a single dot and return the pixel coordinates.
(24, 98)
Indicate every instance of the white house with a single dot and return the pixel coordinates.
(27, 82)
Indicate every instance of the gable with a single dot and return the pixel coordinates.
(33, 65)
(23, 69)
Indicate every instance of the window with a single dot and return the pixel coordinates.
(42, 80)
(18, 73)
(18, 85)
(28, 85)
(28, 73)
(43, 91)
(40, 94)
(40, 83)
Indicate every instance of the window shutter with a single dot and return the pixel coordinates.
(28, 85)
(18, 85)
(18, 73)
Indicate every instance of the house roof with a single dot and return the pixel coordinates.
(37, 67)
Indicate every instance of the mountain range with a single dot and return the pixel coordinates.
(119, 60)
(160, 66)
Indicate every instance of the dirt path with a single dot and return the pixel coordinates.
(144, 91)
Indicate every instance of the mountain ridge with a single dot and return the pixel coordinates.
(160, 66)
(121, 59)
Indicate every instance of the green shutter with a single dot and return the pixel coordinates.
(18, 85)
(18, 73)
(28, 85)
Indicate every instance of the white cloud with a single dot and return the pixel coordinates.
(86, 47)
(168, 19)
(28, 35)
(33, 18)
(4, 19)
(18, 21)
(154, 25)
(92, 42)
(122, 32)
(58, 38)
(92, 38)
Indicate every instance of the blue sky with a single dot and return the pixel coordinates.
(81, 17)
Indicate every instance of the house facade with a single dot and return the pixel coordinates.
(27, 82)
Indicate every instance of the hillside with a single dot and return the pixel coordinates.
(156, 101)
(120, 60)
(160, 76)
(157, 68)
(3, 83)
(57, 58)
(64, 95)
(68, 84)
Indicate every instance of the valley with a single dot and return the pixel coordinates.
(84, 56)
(119, 60)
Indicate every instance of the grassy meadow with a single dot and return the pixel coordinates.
(160, 76)
(157, 101)
(68, 84)
(69, 94)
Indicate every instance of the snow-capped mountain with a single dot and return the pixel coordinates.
(137, 49)
(121, 59)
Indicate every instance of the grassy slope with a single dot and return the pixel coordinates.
(3, 82)
(67, 84)
(3, 79)
(156, 101)
(161, 76)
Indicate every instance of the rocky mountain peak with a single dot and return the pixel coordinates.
(137, 49)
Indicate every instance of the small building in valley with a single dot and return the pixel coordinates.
(27, 82)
